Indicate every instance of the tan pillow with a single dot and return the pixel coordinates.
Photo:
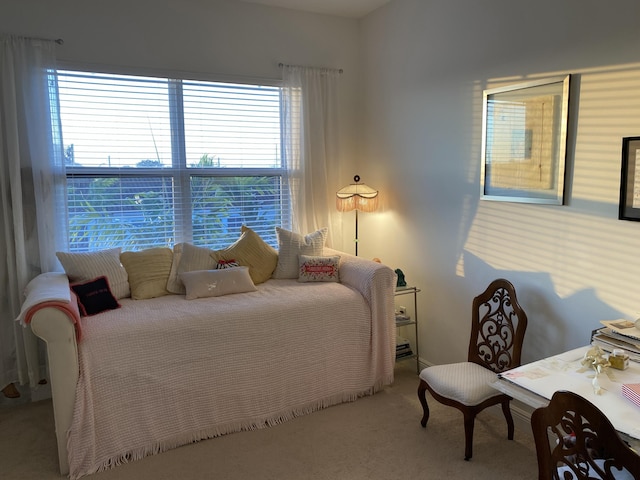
(190, 258)
(215, 283)
(253, 252)
(174, 284)
(85, 266)
(291, 244)
(148, 271)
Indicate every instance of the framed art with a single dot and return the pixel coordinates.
(629, 208)
(524, 141)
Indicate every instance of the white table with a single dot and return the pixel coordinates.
(535, 383)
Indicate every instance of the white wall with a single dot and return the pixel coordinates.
(425, 67)
(411, 117)
(219, 38)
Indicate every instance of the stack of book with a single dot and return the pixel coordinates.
(618, 334)
(403, 348)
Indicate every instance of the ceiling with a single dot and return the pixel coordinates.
(341, 8)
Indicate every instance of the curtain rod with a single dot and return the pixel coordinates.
(59, 41)
(281, 65)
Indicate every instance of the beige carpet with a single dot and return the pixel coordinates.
(377, 437)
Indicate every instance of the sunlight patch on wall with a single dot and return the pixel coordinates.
(576, 250)
(609, 103)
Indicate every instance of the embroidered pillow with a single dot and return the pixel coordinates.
(94, 296)
(253, 252)
(216, 283)
(291, 244)
(148, 271)
(85, 266)
(319, 269)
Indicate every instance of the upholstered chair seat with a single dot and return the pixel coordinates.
(465, 382)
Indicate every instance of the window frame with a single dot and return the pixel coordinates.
(179, 171)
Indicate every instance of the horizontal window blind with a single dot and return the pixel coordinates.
(156, 161)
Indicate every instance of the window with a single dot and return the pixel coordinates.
(155, 161)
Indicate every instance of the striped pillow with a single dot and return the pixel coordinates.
(148, 271)
(222, 264)
(250, 250)
(85, 266)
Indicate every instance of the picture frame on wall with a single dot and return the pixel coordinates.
(629, 208)
(524, 141)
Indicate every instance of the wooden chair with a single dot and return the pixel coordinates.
(497, 333)
(575, 440)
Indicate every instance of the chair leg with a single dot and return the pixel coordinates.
(469, 421)
(507, 415)
(422, 388)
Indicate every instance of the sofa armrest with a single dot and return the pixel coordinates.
(364, 275)
(377, 283)
(56, 326)
(58, 332)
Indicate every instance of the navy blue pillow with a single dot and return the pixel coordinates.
(95, 296)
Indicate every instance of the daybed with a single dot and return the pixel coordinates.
(157, 373)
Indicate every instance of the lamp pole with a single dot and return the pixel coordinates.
(356, 232)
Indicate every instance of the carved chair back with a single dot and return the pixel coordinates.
(575, 440)
(498, 327)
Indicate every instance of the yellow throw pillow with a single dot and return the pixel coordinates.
(253, 252)
(148, 271)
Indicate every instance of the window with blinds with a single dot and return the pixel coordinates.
(156, 161)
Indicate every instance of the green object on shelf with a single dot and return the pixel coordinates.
(401, 281)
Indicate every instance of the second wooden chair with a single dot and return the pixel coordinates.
(497, 332)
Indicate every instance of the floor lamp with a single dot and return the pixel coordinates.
(357, 196)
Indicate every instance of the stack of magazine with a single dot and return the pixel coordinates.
(403, 348)
(618, 334)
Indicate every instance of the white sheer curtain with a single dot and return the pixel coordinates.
(311, 146)
(31, 186)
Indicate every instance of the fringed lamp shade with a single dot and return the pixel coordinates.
(357, 196)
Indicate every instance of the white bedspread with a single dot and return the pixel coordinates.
(157, 374)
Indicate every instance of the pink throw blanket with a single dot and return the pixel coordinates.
(50, 290)
(70, 308)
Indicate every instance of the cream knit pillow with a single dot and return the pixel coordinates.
(85, 266)
(291, 244)
(216, 283)
(187, 258)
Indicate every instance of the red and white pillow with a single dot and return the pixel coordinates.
(314, 268)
